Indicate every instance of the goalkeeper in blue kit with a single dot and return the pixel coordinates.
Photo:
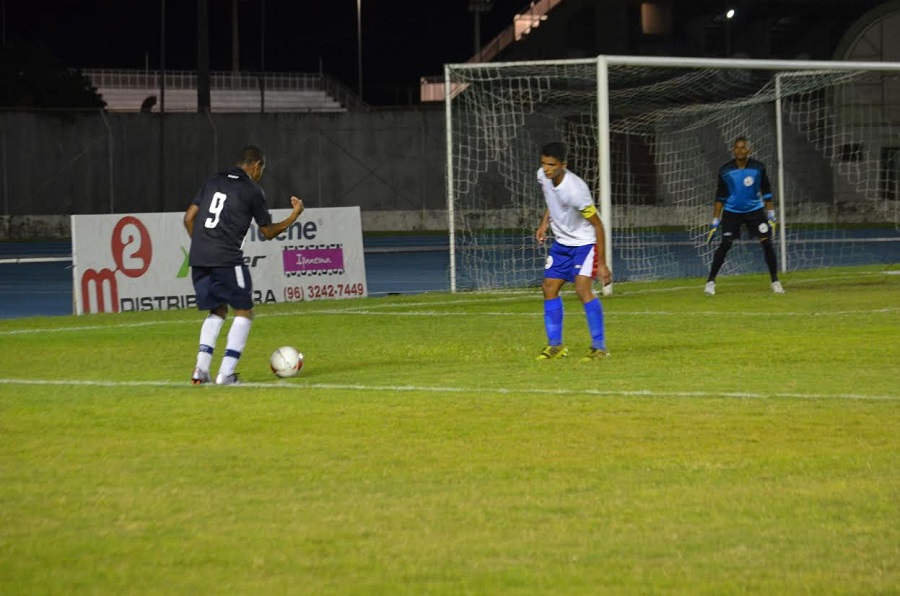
(577, 255)
(743, 198)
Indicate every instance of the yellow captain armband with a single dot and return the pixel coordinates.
(589, 211)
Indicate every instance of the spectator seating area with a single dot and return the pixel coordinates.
(140, 91)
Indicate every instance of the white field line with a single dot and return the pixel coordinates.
(739, 282)
(373, 307)
(499, 391)
(430, 313)
(607, 312)
(633, 289)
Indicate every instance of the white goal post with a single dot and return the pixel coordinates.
(648, 134)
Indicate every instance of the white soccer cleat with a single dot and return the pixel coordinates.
(231, 379)
(777, 287)
(710, 288)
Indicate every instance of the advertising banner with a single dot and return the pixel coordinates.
(136, 262)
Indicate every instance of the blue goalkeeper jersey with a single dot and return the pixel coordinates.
(743, 190)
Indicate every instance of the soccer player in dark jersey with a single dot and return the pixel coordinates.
(743, 198)
(217, 221)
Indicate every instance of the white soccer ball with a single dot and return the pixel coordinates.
(286, 362)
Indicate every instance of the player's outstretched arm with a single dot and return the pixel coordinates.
(272, 230)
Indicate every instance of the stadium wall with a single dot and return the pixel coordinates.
(56, 227)
(389, 163)
(65, 164)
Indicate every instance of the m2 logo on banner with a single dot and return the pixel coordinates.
(137, 262)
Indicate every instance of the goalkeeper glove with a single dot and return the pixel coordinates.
(770, 217)
(712, 229)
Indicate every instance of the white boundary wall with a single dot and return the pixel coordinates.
(135, 262)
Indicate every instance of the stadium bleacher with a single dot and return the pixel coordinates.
(136, 91)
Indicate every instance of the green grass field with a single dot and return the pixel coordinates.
(745, 443)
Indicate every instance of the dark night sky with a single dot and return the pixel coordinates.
(401, 39)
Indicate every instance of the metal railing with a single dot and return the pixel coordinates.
(226, 81)
(432, 87)
(187, 79)
(522, 25)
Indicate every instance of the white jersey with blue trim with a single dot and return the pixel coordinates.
(565, 202)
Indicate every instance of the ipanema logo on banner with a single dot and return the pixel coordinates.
(313, 260)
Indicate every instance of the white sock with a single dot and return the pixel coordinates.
(209, 333)
(237, 339)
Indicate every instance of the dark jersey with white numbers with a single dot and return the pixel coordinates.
(227, 202)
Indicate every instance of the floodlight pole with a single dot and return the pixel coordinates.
(162, 106)
(359, 47)
(262, 57)
(235, 38)
(477, 7)
(728, 16)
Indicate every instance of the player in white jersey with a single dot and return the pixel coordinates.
(577, 255)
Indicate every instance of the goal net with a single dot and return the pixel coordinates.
(649, 136)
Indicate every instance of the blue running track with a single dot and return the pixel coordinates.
(42, 286)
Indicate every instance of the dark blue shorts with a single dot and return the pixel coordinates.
(216, 286)
(754, 221)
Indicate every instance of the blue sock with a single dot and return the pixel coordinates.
(553, 318)
(594, 312)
